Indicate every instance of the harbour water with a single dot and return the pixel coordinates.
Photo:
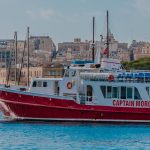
(73, 136)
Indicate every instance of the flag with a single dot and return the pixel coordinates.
(105, 51)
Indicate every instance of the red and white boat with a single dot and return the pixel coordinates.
(83, 94)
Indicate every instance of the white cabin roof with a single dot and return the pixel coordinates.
(47, 79)
(81, 68)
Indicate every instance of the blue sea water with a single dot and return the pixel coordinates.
(73, 136)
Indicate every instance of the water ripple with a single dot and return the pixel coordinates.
(76, 136)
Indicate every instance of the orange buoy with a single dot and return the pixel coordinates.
(110, 77)
(69, 85)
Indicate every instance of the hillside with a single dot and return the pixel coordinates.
(141, 64)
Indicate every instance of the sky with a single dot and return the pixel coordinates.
(64, 20)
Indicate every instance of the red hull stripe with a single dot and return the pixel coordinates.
(27, 106)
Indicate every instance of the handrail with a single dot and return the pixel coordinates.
(143, 77)
(135, 80)
(87, 99)
(36, 94)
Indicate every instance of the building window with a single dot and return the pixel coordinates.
(37, 73)
(34, 84)
(39, 83)
(44, 84)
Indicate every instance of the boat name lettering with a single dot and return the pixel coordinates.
(131, 103)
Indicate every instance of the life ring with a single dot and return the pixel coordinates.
(69, 85)
(110, 77)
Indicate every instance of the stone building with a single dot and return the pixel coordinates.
(42, 43)
(142, 52)
(76, 45)
(55, 70)
(41, 50)
(76, 50)
(123, 55)
(116, 49)
(140, 49)
(7, 53)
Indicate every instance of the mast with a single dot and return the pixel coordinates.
(19, 75)
(15, 36)
(93, 42)
(27, 56)
(107, 43)
(9, 67)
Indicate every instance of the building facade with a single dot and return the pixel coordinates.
(7, 53)
(140, 49)
(34, 72)
(76, 45)
(76, 50)
(44, 43)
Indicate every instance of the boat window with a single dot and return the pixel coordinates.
(66, 73)
(123, 92)
(120, 92)
(73, 73)
(39, 83)
(89, 93)
(115, 92)
(148, 91)
(137, 94)
(103, 89)
(34, 84)
(129, 92)
(44, 84)
(109, 91)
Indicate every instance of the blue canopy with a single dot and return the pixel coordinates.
(134, 75)
(81, 62)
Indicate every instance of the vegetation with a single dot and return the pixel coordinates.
(140, 64)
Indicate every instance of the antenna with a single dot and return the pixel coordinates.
(9, 67)
(19, 76)
(93, 42)
(15, 38)
(28, 32)
(107, 43)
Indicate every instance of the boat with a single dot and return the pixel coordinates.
(83, 94)
(86, 92)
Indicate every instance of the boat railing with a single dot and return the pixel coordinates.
(134, 71)
(87, 99)
(134, 77)
(74, 96)
(137, 77)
